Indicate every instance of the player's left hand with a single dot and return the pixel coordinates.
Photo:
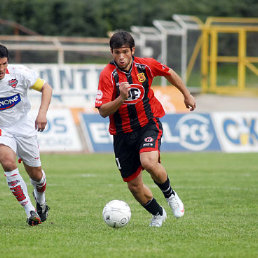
(40, 123)
(190, 102)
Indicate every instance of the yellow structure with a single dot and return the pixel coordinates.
(244, 29)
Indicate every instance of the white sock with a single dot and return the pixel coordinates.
(19, 189)
(40, 188)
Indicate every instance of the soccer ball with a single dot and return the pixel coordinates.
(116, 213)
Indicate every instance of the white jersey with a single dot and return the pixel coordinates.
(14, 102)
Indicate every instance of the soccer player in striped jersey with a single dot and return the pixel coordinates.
(18, 134)
(125, 95)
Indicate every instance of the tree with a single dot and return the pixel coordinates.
(94, 18)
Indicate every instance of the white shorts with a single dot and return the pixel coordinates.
(22, 139)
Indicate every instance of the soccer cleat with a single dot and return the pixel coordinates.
(157, 220)
(42, 209)
(176, 205)
(34, 219)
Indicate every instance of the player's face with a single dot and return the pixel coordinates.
(3, 67)
(123, 57)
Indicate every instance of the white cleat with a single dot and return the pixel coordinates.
(176, 205)
(157, 220)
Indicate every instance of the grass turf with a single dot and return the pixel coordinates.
(219, 192)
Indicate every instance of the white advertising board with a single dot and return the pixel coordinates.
(60, 134)
(237, 131)
(70, 78)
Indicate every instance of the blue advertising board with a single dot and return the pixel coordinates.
(181, 132)
(189, 132)
(95, 130)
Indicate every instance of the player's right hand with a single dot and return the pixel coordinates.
(124, 90)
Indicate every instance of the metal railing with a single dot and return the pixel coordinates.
(55, 44)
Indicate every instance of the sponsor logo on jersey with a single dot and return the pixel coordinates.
(148, 139)
(148, 142)
(141, 77)
(136, 94)
(9, 102)
(13, 83)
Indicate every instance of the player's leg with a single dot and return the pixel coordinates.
(128, 162)
(144, 196)
(15, 181)
(39, 182)
(27, 149)
(150, 160)
(140, 191)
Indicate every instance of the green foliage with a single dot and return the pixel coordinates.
(219, 191)
(97, 17)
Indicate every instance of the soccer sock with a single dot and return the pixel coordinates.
(165, 188)
(153, 207)
(40, 188)
(19, 189)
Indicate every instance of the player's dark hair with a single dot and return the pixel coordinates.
(3, 51)
(121, 38)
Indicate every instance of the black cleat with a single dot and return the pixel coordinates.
(42, 211)
(34, 219)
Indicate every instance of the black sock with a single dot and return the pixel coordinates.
(153, 207)
(165, 188)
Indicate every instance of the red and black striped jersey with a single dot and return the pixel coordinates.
(141, 105)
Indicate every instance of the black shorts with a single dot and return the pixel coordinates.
(128, 146)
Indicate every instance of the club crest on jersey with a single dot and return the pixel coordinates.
(13, 83)
(141, 77)
(9, 102)
(136, 94)
(148, 139)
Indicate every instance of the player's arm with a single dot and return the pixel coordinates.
(46, 91)
(111, 107)
(175, 80)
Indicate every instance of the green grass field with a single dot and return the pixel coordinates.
(219, 192)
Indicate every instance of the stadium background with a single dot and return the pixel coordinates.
(217, 59)
(219, 188)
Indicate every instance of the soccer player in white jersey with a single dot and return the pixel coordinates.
(18, 134)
